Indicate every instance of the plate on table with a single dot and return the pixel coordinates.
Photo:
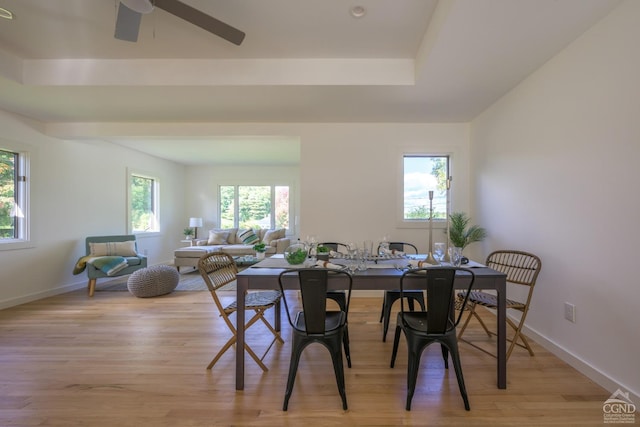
(342, 267)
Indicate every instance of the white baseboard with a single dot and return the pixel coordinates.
(580, 365)
(12, 302)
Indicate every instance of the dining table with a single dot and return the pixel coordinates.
(380, 274)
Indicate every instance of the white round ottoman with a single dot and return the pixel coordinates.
(153, 281)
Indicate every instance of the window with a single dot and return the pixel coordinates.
(423, 174)
(144, 207)
(254, 206)
(13, 197)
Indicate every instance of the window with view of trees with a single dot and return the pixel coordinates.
(254, 206)
(13, 196)
(421, 175)
(143, 194)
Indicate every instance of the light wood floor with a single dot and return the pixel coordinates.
(117, 360)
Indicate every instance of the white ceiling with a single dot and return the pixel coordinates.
(301, 61)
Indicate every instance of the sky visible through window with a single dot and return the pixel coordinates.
(421, 175)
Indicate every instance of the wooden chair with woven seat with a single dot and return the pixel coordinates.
(218, 269)
(392, 296)
(521, 268)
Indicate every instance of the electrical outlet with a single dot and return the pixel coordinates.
(570, 312)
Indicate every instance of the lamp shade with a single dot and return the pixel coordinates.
(140, 6)
(195, 222)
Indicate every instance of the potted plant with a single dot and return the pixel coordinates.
(188, 233)
(461, 234)
(322, 252)
(296, 254)
(260, 249)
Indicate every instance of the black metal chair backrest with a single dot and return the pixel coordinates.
(335, 246)
(439, 284)
(402, 246)
(313, 285)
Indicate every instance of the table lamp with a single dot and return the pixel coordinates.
(195, 223)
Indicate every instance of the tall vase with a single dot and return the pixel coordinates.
(430, 259)
(447, 258)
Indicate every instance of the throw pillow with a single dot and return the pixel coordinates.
(233, 234)
(271, 235)
(247, 237)
(218, 237)
(127, 248)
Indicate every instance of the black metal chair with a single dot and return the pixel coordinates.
(392, 296)
(337, 296)
(521, 268)
(437, 324)
(316, 324)
(338, 247)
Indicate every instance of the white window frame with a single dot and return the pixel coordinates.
(155, 228)
(420, 223)
(23, 196)
(236, 213)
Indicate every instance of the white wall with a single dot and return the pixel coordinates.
(348, 185)
(351, 178)
(555, 164)
(203, 183)
(79, 189)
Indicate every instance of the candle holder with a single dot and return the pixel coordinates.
(448, 201)
(430, 259)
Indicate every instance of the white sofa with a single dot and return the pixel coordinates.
(232, 241)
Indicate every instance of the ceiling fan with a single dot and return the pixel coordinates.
(130, 13)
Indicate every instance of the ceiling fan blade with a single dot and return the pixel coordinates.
(127, 24)
(202, 20)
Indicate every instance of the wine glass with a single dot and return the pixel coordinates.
(383, 249)
(352, 248)
(352, 266)
(455, 254)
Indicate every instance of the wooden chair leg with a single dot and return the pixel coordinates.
(91, 286)
(275, 333)
(484, 326)
(464, 325)
(224, 348)
(472, 313)
(255, 357)
(249, 350)
(259, 315)
(518, 335)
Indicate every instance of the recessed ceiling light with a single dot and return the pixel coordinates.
(6, 14)
(358, 11)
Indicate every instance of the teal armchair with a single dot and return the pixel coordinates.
(135, 260)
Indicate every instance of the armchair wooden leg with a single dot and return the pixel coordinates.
(91, 286)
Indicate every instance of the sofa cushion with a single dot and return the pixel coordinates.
(218, 237)
(127, 248)
(195, 251)
(247, 237)
(238, 249)
(233, 234)
(271, 235)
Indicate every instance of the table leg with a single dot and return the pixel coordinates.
(242, 284)
(501, 339)
(277, 317)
